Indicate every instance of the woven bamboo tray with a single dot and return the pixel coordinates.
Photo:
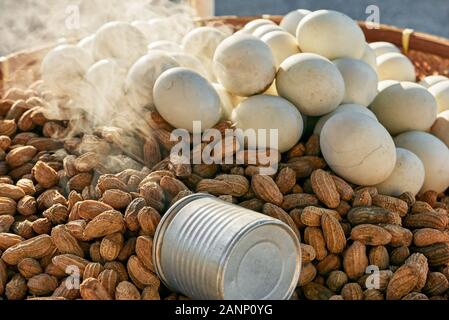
(429, 53)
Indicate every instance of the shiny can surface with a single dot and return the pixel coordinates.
(209, 249)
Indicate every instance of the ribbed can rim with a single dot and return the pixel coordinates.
(162, 228)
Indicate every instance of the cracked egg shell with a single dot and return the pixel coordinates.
(405, 106)
(311, 82)
(433, 153)
(395, 66)
(358, 148)
(269, 112)
(440, 128)
(408, 175)
(244, 65)
(360, 81)
(142, 77)
(331, 34)
(182, 96)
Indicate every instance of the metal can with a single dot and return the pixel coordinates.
(209, 249)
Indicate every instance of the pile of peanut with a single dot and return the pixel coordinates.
(78, 213)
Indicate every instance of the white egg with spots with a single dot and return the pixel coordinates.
(395, 66)
(269, 112)
(331, 34)
(282, 44)
(63, 70)
(342, 108)
(360, 81)
(244, 65)
(408, 175)
(312, 83)
(433, 153)
(404, 107)
(182, 96)
(358, 148)
(142, 77)
(440, 91)
(292, 19)
(120, 41)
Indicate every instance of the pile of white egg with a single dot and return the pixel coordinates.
(377, 126)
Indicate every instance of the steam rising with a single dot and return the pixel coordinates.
(109, 96)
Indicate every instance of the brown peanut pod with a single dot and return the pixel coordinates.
(144, 247)
(427, 236)
(355, 260)
(352, 291)
(311, 216)
(325, 189)
(378, 256)
(426, 220)
(336, 280)
(402, 282)
(92, 289)
(315, 291)
(116, 198)
(399, 255)
(140, 275)
(16, 288)
(415, 296)
(421, 207)
(436, 254)
(330, 263)
(390, 203)
(111, 245)
(308, 273)
(399, 236)
(362, 198)
(286, 180)
(42, 284)
(333, 233)
(299, 200)
(126, 291)
(373, 294)
(314, 237)
(266, 189)
(344, 189)
(65, 241)
(128, 249)
(29, 267)
(370, 235)
(370, 215)
(279, 214)
(308, 253)
(436, 284)
(92, 270)
(109, 279)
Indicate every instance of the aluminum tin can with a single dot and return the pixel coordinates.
(209, 249)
